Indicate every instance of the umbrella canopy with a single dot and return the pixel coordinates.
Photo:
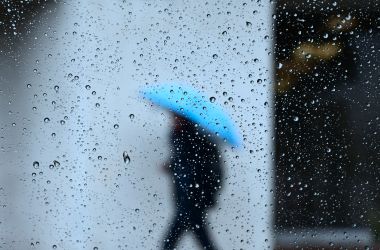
(189, 103)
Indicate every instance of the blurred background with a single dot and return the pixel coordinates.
(80, 150)
(327, 124)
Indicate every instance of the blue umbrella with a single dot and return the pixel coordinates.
(190, 104)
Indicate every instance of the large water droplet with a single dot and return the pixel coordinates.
(126, 157)
(56, 163)
(36, 164)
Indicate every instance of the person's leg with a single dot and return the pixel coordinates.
(175, 231)
(199, 227)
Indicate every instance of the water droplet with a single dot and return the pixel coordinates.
(56, 88)
(248, 24)
(296, 118)
(116, 126)
(126, 158)
(62, 122)
(56, 163)
(29, 86)
(214, 56)
(46, 119)
(88, 87)
(131, 116)
(36, 164)
(212, 99)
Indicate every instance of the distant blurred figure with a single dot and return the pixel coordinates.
(196, 171)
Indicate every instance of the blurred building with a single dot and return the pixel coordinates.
(327, 123)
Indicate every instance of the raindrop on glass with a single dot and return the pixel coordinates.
(36, 164)
(56, 163)
(126, 158)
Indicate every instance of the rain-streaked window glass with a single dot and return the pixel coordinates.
(189, 124)
(136, 124)
(327, 124)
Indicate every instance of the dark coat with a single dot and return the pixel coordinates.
(195, 166)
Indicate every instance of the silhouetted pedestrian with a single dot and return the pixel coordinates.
(196, 171)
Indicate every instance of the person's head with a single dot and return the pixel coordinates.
(181, 123)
